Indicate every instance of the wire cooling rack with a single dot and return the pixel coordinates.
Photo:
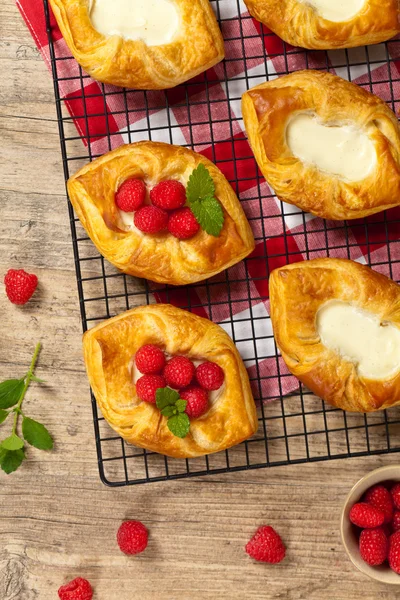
(295, 426)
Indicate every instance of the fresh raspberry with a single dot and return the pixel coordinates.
(78, 589)
(396, 520)
(374, 546)
(168, 195)
(150, 359)
(210, 376)
(179, 372)
(20, 286)
(151, 219)
(182, 224)
(131, 195)
(366, 516)
(381, 498)
(197, 401)
(394, 552)
(132, 537)
(147, 386)
(266, 546)
(396, 495)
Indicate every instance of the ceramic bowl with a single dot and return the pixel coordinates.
(350, 533)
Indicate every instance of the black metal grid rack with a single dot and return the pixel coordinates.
(296, 427)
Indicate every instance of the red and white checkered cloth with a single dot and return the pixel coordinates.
(215, 116)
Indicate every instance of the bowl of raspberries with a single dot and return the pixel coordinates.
(370, 525)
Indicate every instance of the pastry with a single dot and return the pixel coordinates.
(166, 246)
(141, 44)
(118, 352)
(324, 144)
(329, 24)
(337, 325)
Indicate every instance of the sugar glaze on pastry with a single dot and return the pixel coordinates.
(337, 10)
(325, 144)
(337, 325)
(345, 151)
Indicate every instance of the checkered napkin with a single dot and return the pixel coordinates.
(206, 115)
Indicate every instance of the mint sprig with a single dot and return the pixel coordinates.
(12, 394)
(172, 406)
(200, 195)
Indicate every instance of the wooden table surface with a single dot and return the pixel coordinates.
(57, 520)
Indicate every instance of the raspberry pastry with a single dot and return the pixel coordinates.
(324, 144)
(337, 324)
(170, 381)
(161, 212)
(329, 24)
(141, 44)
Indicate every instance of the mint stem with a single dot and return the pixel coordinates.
(28, 378)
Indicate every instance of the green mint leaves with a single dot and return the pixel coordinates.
(173, 408)
(200, 195)
(12, 394)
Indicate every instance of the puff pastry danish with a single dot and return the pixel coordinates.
(160, 257)
(324, 144)
(141, 44)
(337, 324)
(328, 24)
(109, 349)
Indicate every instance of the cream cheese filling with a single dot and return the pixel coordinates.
(154, 21)
(360, 337)
(337, 10)
(345, 151)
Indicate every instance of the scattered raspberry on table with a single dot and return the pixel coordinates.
(78, 589)
(132, 537)
(20, 286)
(266, 546)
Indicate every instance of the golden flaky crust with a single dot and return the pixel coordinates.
(111, 59)
(297, 292)
(161, 257)
(267, 110)
(109, 349)
(298, 23)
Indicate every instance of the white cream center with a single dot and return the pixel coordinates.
(345, 151)
(153, 21)
(360, 337)
(337, 10)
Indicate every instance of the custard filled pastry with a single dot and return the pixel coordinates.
(170, 381)
(161, 212)
(141, 44)
(337, 325)
(324, 144)
(329, 24)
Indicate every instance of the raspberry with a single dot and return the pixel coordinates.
(168, 195)
(78, 589)
(366, 516)
(266, 546)
(380, 497)
(132, 537)
(396, 520)
(394, 552)
(210, 376)
(131, 195)
(374, 546)
(150, 359)
(197, 401)
(396, 495)
(20, 286)
(179, 372)
(150, 219)
(182, 224)
(147, 386)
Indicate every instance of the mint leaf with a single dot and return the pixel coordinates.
(200, 185)
(10, 460)
(36, 434)
(181, 405)
(10, 392)
(179, 425)
(166, 397)
(169, 411)
(209, 214)
(12, 443)
(3, 416)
